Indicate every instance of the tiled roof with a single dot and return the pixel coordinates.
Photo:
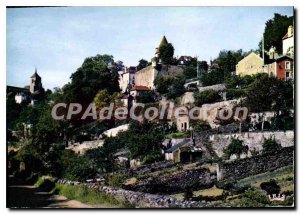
(140, 88)
(286, 36)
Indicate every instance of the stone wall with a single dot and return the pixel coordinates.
(238, 169)
(218, 87)
(114, 131)
(187, 98)
(143, 200)
(145, 77)
(175, 183)
(253, 140)
(84, 146)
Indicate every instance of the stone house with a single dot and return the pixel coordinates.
(183, 123)
(284, 68)
(127, 79)
(251, 64)
(181, 150)
(146, 76)
(288, 42)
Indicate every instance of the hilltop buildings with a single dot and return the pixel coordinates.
(29, 94)
(133, 82)
(279, 66)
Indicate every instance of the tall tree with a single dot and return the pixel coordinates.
(275, 29)
(96, 73)
(166, 53)
(227, 60)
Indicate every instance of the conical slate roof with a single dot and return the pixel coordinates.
(163, 42)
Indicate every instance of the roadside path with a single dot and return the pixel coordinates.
(29, 196)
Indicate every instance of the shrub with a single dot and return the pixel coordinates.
(46, 183)
(270, 145)
(115, 180)
(146, 97)
(200, 126)
(253, 196)
(234, 93)
(271, 187)
(152, 157)
(208, 96)
(235, 147)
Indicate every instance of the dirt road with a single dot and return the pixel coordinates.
(28, 196)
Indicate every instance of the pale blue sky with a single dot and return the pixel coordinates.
(57, 40)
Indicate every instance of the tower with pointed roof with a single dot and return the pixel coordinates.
(35, 83)
(163, 42)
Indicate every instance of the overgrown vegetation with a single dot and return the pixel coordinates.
(208, 96)
(86, 195)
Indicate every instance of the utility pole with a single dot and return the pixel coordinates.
(198, 75)
(263, 50)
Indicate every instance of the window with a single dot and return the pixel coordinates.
(287, 75)
(287, 65)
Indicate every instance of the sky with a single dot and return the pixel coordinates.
(57, 40)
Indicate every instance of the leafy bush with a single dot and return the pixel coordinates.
(234, 93)
(208, 96)
(271, 187)
(200, 126)
(146, 97)
(46, 183)
(76, 167)
(115, 180)
(270, 145)
(253, 196)
(153, 157)
(212, 78)
(235, 147)
(172, 87)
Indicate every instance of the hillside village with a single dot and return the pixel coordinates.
(168, 161)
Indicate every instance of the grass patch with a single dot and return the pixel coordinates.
(257, 179)
(214, 191)
(86, 195)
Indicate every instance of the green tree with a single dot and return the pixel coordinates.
(142, 64)
(275, 29)
(269, 94)
(270, 145)
(91, 77)
(200, 126)
(208, 96)
(103, 98)
(212, 78)
(146, 97)
(162, 84)
(227, 60)
(190, 72)
(172, 87)
(203, 66)
(235, 147)
(166, 53)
